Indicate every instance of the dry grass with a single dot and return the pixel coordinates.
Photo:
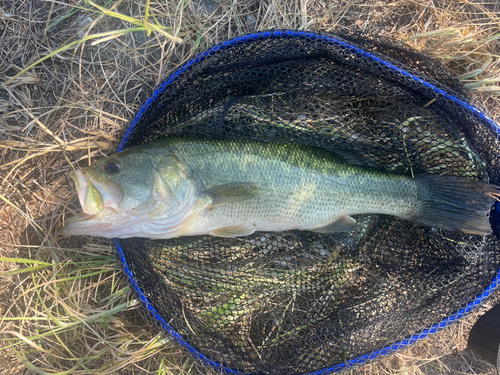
(70, 310)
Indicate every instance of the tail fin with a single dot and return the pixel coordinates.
(457, 203)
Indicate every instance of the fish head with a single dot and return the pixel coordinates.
(121, 194)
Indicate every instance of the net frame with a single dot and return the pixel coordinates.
(388, 64)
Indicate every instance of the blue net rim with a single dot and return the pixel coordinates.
(376, 354)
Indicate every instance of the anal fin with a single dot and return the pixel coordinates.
(236, 231)
(342, 224)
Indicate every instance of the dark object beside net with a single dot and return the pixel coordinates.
(296, 302)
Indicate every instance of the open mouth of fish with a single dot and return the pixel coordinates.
(94, 196)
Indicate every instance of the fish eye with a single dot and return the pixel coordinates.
(112, 167)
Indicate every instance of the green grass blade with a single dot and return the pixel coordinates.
(24, 260)
(23, 270)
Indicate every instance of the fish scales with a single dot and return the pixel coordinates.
(301, 187)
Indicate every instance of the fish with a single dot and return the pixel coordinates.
(181, 186)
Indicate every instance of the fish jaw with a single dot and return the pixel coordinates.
(84, 224)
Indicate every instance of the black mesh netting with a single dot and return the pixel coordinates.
(296, 302)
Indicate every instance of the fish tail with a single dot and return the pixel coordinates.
(457, 203)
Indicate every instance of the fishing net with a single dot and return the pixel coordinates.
(301, 302)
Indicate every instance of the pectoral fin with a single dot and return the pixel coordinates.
(232, 193)
(342, 224)
(236, 231)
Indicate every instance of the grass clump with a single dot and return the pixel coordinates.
(76, 315)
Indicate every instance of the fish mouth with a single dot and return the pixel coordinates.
(89, 197)
(95, 195)
(97, 199)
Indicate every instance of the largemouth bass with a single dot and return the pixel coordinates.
(176, 187)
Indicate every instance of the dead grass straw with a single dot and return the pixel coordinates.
(72, 74)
